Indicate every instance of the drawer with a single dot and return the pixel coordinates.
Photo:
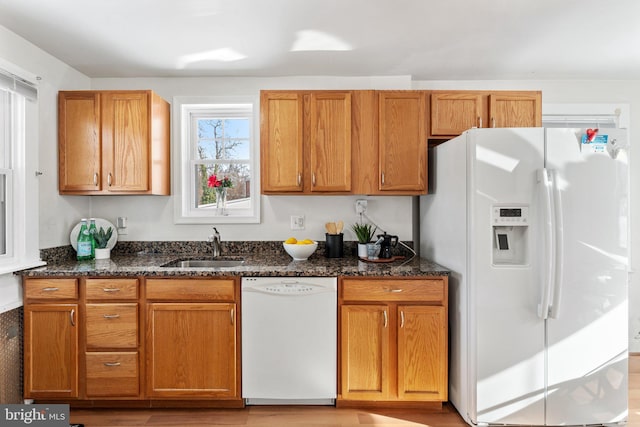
(112, 374)
(424, 290)
(112, 325)
(111, 289)
(191, 289)
(51, 289)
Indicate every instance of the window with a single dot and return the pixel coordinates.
(217, 150)
(18, 191)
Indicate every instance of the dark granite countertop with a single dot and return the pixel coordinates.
(264, 260)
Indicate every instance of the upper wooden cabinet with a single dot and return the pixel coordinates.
(453, 112)
(113, 142)
(343, 142)
(402, 139)
(305, 142)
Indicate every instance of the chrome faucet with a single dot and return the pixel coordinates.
(215, 240)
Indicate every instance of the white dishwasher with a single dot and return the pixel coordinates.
(289, 334)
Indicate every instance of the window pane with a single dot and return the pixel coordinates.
(223, 138)
(238, 194)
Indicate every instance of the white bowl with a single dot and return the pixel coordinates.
(300, 252)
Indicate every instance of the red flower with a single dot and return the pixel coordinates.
(213, 181)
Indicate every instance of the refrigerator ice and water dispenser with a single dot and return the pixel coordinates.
(510, 235)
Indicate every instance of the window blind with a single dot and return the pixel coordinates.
(13, 83)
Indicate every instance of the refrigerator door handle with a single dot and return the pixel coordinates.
(559, 249)
(546, 194)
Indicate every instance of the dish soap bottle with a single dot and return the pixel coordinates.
(84, 242)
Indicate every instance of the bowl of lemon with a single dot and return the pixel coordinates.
(299, 250)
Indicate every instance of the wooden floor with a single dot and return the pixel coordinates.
(290, 416)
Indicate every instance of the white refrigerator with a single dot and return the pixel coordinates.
(533, 224)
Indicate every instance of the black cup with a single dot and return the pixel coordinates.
(333, 245)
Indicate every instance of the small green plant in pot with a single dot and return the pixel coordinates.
(364, 233)
(101, 238)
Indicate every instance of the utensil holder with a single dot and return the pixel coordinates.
(333, 246)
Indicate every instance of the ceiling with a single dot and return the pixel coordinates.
(424, 39)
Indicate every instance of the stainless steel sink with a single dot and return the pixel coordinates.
(204, 263)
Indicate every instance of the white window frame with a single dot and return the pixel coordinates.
(184, 180)
(22, 248)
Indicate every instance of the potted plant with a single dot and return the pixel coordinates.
(364, 233)
(102, 240)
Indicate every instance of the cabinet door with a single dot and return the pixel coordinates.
(402, 141)
(191, 350)
(453, 113)
(330, 141)
(281, 142)
(50, 350)
(422, 353)
(79, 142)
(517, 110)
(126, 140)
(364, 363)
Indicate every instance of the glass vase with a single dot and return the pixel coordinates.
(221, 200)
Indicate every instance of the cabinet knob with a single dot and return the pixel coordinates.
(109, 179)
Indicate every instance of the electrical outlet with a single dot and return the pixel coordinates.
(361, 206)
(297, 222)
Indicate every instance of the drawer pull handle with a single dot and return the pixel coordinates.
(72, 317)
(110, 364)
(233, 315)
(95, 179)
(111, 289)
(402, 319)
(111, 316)
(394, 291)
(386, 319)
(109, 179)
(50, 289)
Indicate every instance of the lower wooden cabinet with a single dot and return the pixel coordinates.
(393, 340)
(192, 338)
(191, 350)
(98, 340)
(51, 350)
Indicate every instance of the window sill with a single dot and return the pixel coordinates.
(25, 265)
